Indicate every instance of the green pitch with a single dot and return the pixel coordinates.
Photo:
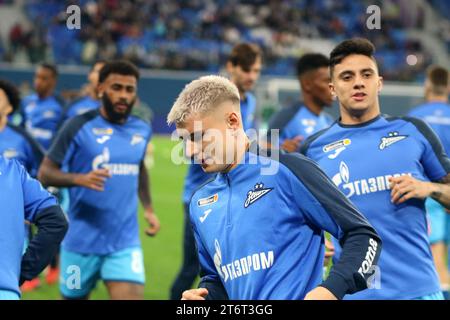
(162, 253)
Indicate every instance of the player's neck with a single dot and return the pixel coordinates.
(312, 105)
(435, 98)
(348, 118)
(240, 153)
(242, 95)
(105, 115)
(93, 93)
(44, 95)
(3, 122)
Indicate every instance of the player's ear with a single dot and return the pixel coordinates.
(332, 90)
(305, 83)
(101, 89)
(380, 84)
(233, 120)
(229, 67)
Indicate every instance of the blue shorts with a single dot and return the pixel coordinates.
(80, 272)
(9, 295)
(439, 222)
(434, 296)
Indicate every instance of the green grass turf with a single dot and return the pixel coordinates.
(162, 254)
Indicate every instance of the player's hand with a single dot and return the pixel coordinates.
(320, 293)
(195, 294)
(407, 187)
(329, 251)
(94, 180)
(292, 145)
(153, 221)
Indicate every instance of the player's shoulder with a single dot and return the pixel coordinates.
(281, 118)
(29, 98)
(10, 165)
(413, 127)
(75, 123)
(315, 138)
(415, 122)
(59, 100)
(139, 120)
(25, 135)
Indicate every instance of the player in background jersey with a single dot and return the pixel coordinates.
(23, 198)
(42, 111)
(244, 67)
(42, 115)
(436, 112)
(301, 120)
(103, 151)
(259, 233)
(89, 95)
(384, 165)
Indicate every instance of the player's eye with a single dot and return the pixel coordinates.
(346, 77)
(131, 89)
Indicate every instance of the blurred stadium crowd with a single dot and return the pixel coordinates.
(198, 34)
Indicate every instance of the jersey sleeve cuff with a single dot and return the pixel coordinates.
(337, 285)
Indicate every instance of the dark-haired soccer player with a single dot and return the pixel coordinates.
(303, 119)
(43, 110)
(384, 165)
(103, 151)
(436, 112)
(244, 68)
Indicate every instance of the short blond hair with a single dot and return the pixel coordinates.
(202, 96)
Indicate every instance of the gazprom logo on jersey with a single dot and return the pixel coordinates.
(121, 169)
(363, 186)
(243, 266)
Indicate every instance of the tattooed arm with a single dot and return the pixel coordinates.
(407, 187)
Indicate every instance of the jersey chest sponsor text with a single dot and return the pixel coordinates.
(242, 266)
(361, 186)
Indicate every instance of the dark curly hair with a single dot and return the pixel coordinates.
(11, 92)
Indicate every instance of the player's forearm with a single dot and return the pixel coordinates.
(144, 187)
(57, 178)
(52, 227)
(441, 193)
(360, 253)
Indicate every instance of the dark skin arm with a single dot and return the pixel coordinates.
(50, 174)
(146, 201)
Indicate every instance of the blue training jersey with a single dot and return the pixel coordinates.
(437, 115)
(360, 159)
(42, 117)
(16, 143)
(80, 106)
(102, 222)
(298, 120)
(21, 198)
(195, 175)
(261, 236)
